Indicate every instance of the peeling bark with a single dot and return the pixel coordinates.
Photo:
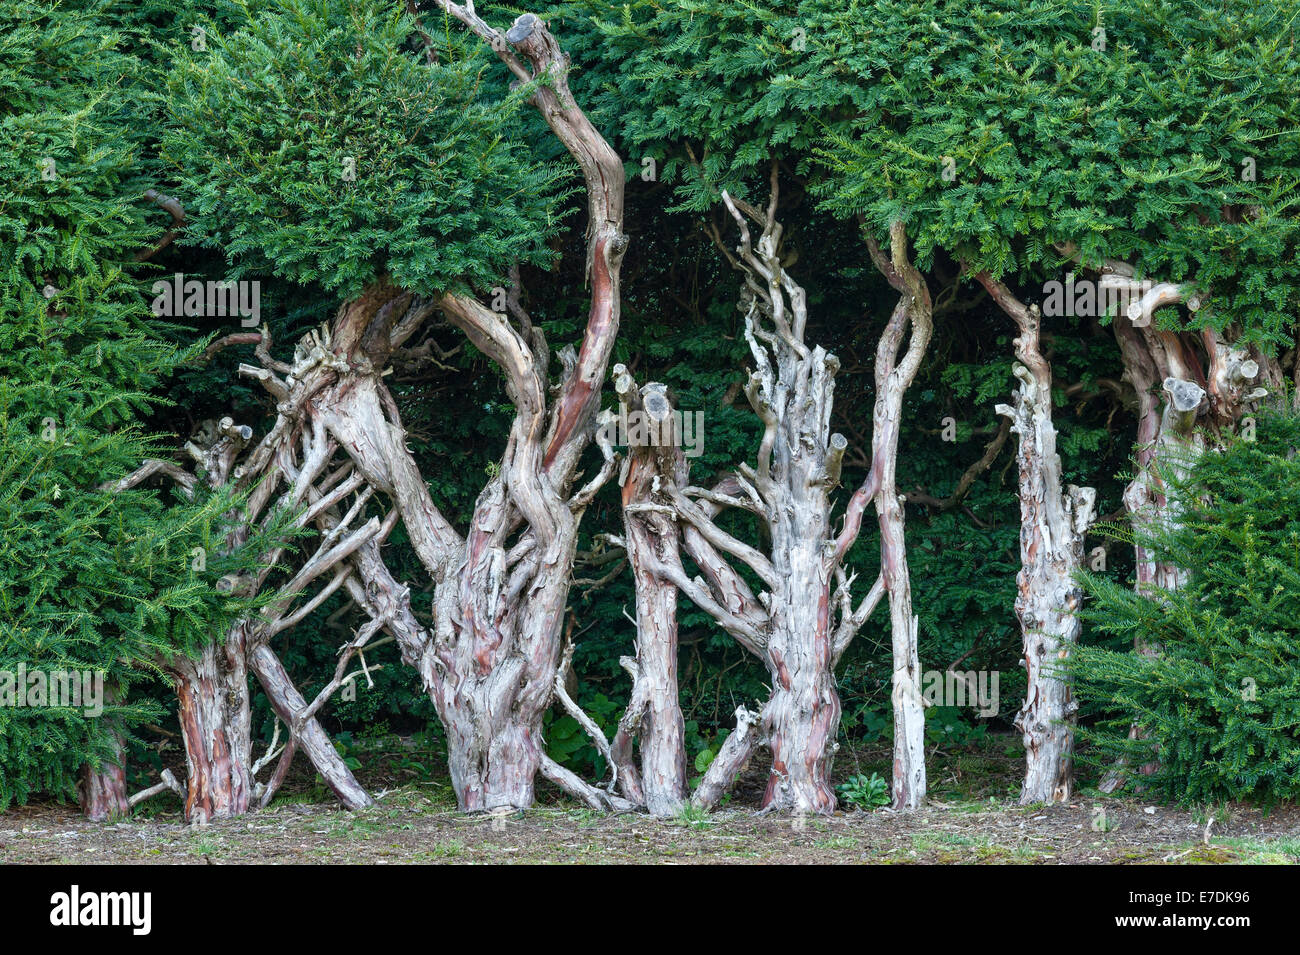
(490, 659)
(1053, 523)
(212, 688)
(893, 377)
(791, 390)
(654, 712)
(213, 708)
(731, 760)
(101, 791)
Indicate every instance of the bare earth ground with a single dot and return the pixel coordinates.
(973, 818)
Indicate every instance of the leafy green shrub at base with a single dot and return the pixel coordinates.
(1220, 706)
(864, 792)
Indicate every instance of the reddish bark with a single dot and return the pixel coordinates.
(101, 791)
(213, 709)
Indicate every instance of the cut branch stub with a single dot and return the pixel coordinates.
(1184, 399)
(651, 539)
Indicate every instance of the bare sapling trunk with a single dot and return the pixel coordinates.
(1205, 390)
(655, 462)
(1053, 523)
(893, 377)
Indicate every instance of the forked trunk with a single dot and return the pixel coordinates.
(212, 689)
(893, 377)
(502, 670)
(490, 660)
(796, 625)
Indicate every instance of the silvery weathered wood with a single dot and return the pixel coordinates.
(798, 623)
(1053, 522)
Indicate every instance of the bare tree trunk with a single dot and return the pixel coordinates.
(802, 718)
(732, 758)
(102, 791)
(309, 737)
(212, 687)
(213, 708)
(893, 377)
(1052, 528)
(1167, 441)
(789, 625)
(1167, 444)
(489, 661)
(654, 711)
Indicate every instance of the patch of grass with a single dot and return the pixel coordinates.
(836, 842)
(921, 842)
(693, 817)
(587, 818)
(959, 839)
(205, 846)
(1282, 851)
(445, 850)
(1025, 854)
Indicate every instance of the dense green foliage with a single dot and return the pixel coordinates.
(996, 130)
(91, 580)
(395, 165)
(1219, 706)
(248, 111)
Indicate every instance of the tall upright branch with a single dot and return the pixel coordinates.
(893, 377)
(1053, 522)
